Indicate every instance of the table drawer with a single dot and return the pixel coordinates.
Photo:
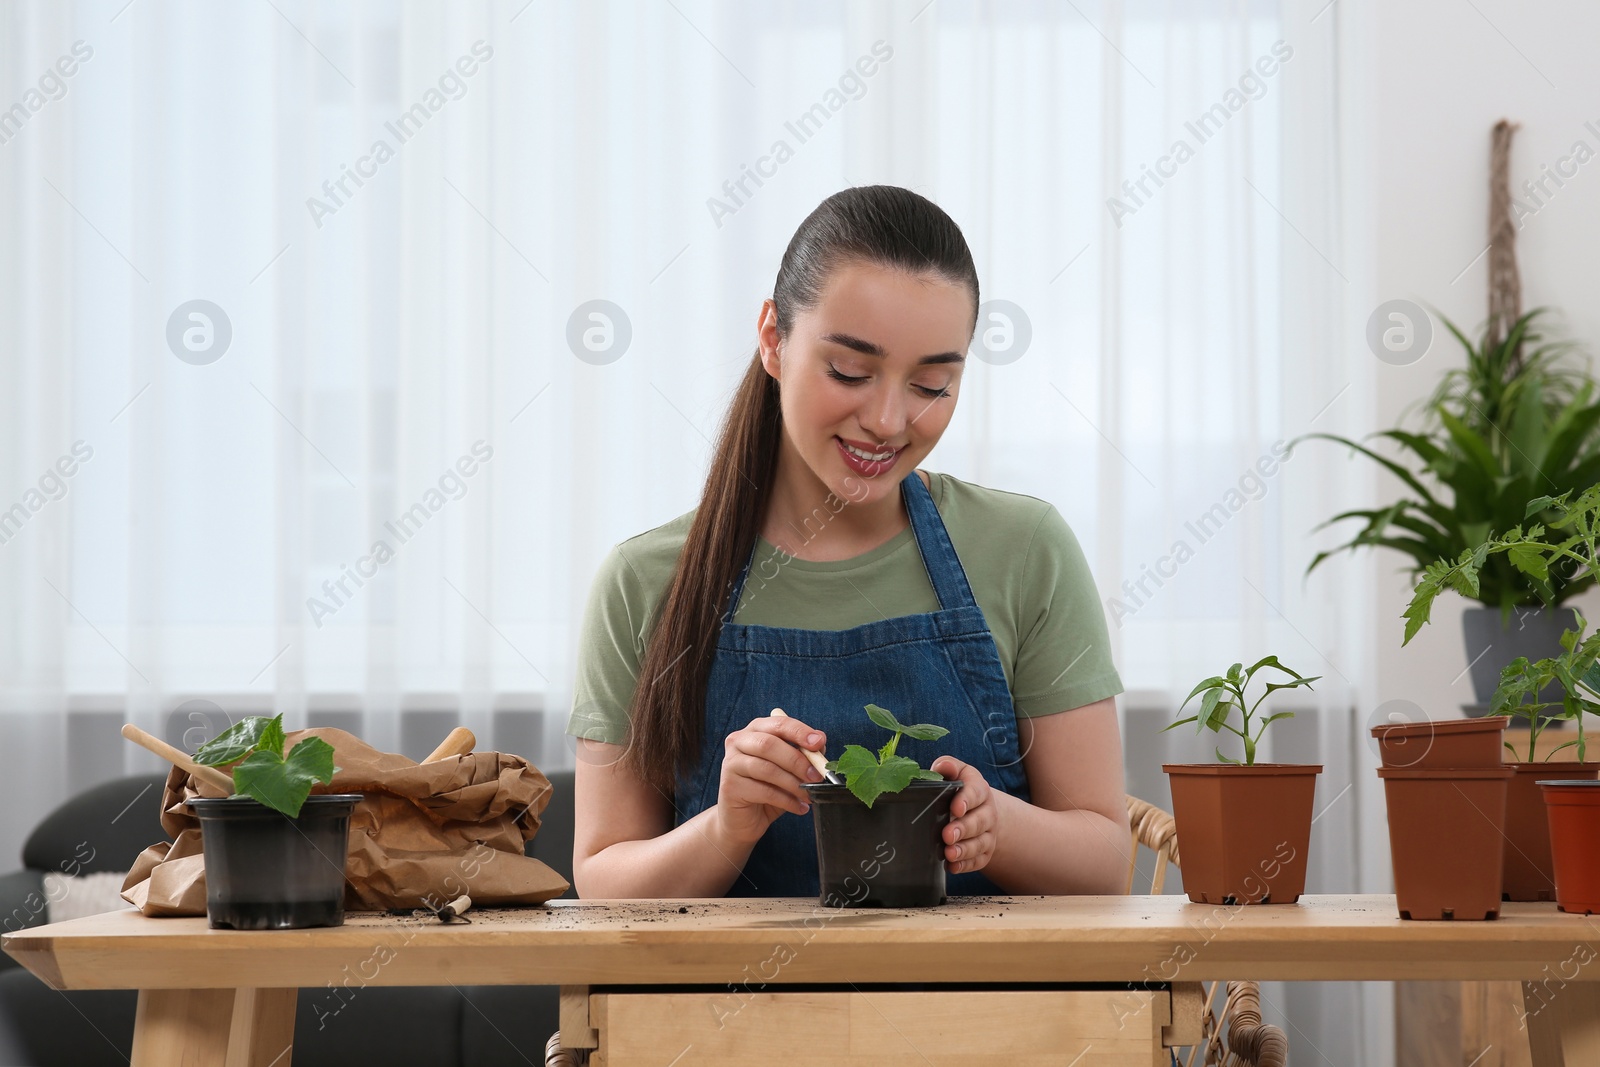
(956, 1028)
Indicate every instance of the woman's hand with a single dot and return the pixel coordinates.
(762, 772)
(974, 827)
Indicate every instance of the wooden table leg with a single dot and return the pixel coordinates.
(1563, 1023)
(262, 1030)
(207, 1027)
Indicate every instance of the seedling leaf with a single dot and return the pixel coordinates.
(891, 776)
(237, 741)
(261, 771)
(869, 775)
(283, 784)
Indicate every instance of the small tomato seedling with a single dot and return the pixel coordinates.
(1224, 693)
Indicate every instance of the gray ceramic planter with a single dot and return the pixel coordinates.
(1531, 632)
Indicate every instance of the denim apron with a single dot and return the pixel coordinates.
(939, 667)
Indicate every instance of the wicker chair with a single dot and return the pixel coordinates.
(1249, 1042)
(556, 1056)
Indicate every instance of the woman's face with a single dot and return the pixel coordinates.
(868, 378)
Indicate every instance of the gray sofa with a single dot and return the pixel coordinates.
(484, 1026)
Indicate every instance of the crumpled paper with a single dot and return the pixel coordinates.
(423, 833)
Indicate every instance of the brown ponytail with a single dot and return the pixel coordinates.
(882, 224)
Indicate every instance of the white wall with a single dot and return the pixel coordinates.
(1441, 75)
(1426, 81)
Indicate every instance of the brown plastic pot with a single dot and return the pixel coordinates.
(1528, 875)
(1573, 808)
(1244, 831)
(1447, 839)
(1442, 742)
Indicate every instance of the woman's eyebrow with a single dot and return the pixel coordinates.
(868, 348)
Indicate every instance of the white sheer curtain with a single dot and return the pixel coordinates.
(402, 214)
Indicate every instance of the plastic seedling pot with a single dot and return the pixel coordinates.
(1574, 811)
(1442, 743)
(890, 855)
(1528, 871)
(1447, 839)
(266, 871)
(1245, 830)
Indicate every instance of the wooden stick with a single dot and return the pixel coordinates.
(818, 760)
(209, 775)
(459, 742)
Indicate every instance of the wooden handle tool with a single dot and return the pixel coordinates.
(210, 775)
(459, 742)
(818, 760)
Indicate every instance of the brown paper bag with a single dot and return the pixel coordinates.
(424, 833)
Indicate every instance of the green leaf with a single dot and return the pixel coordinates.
(893, 775)
(1529, 560)
(1219, 712)
(1388, 464)
(313, 757)
(239, 740)
(920, 731)
(853, 760)
(1209, 683)
(283, 784)
(1264, 661)
(271, 739)
(884, 718)
(1591, 679)
(1537, 504)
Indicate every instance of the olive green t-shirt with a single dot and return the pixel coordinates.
(1025, 567)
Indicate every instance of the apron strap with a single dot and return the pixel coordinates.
(948, 577)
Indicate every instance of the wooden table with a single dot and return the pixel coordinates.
(641, 978)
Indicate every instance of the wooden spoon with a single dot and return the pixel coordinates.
(209, 775)
(459, 742)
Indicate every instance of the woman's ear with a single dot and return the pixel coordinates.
(767, 334)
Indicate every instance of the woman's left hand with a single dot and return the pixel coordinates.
(974, 828)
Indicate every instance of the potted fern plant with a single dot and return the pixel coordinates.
(1245, 827)
(1521, 417)
(880, 833)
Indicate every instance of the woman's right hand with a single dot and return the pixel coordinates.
(762, 772)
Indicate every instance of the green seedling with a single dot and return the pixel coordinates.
(1566, 544)
(260, 769)
(869, 776)
(1226, 693)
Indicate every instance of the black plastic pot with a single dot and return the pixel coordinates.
(266, 871)
(890, 855)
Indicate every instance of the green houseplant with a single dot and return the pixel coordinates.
(1518, 419)
(274, 853)
(1245, 827)
(1568, 537)
(880, 835)
(869, 775)
(253, 748)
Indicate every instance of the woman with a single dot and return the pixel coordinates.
(822, 572)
